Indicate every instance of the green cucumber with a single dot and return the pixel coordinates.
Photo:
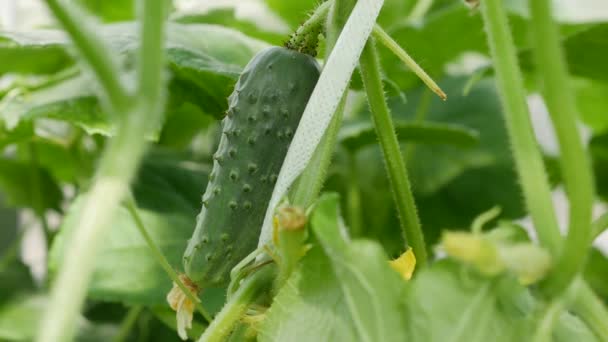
(264, 111)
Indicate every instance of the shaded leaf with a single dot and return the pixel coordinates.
(19, 319)
(26, 185)
(361, 134)
(371, 289)
(203, 70)
(168, 196)
(596, 273)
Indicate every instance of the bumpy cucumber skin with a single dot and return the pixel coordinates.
(264, 111)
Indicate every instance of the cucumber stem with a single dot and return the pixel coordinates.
(291, 245)
(237, 306)
(575, 165)
(528, 159)
(393, 159)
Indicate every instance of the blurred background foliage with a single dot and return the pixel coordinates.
(52, 130)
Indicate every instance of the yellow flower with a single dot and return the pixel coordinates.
(183, 306)
(405, 264)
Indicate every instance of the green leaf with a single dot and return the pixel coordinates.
(15, 279)
(168, 196)
(26, 185)
(294, 12)
(355, 136)
(592, 103)
(452, 185)
(227, 17)
(371, 289)
(203, 73)
(448, 302)
(19, 319)
(32, 54)
(110, 10)
(585, 48)
(599, 155)
(310, 307)
(596, 273)
(344, 291)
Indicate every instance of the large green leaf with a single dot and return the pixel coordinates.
(167, 191)
(452, 184)
(596, 273)
(110, 10)
(203, 73)
(592, 103)
(599, 155)
(447, 302)
(19, 320)
(344, 291)
(310, 307)
(371, 289)
(28, 185)
(357, 135)
(227, 16)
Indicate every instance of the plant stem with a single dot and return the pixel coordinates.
(127, 323)
(548, 318)
(94, 51)
(599, 226)
(162, 260)
(237, 306)
(592, 311)
(393, 159)
(528, 159)
(118, 164)
(392, 45)
(576, 169)
(420, 10)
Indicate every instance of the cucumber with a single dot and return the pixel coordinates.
(263, 114)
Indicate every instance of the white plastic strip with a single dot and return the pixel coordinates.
(323, 102)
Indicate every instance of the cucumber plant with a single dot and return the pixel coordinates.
(112, 145)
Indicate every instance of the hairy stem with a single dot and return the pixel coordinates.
(119, 161)
(393, 159)
(576, 169)
(162, 260)
(528, 158)
(237, 306)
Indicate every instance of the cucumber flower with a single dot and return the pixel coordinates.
(183, 305)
